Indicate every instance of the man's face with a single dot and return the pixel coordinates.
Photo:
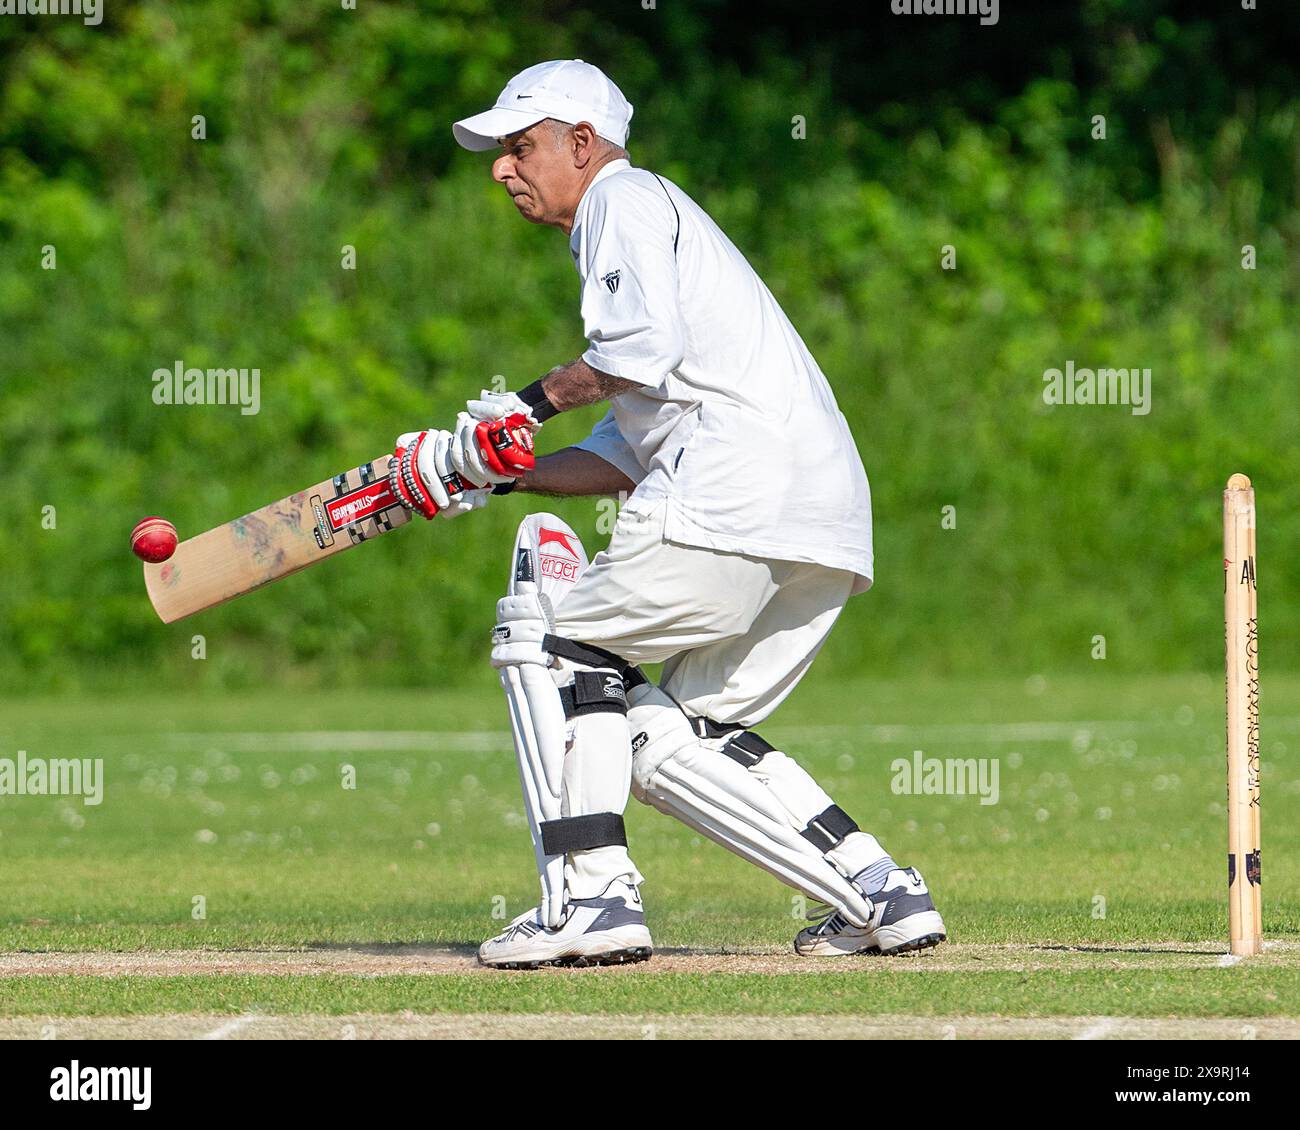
(540, 174)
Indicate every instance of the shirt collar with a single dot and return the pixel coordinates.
(615, 166)
(608, 170)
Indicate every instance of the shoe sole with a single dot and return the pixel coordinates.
(924, 942)
(918, 931)
(580, 960)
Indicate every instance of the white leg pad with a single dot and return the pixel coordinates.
(574, 772)
(756, 813)
(537, 723)
(597, 778)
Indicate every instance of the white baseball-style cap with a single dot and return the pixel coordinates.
(567, 90)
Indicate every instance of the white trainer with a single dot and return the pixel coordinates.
(903, 919)
(607, 930)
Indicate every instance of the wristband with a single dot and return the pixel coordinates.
(538, 404)
(505, 488)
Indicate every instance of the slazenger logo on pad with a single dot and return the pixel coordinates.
(362, 503)
(553, 565)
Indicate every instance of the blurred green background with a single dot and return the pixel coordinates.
(328, 127)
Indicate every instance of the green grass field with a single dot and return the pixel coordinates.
(1093, 887)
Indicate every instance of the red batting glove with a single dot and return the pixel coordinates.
(507, 445)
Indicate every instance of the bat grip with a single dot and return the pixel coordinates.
(512, 433)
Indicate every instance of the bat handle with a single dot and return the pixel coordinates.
(511, 440)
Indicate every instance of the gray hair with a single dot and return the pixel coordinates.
(560, 132)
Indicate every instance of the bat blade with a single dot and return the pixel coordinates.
(274, 542)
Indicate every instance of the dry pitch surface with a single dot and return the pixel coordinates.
(409, 1026)
(406, 960)
(415, 960)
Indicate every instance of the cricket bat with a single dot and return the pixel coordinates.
(275, 541)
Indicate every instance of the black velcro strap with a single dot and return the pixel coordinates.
(829, 829)
(589, 655)
(580, 833)
(708, 728)
(746, 747)
(594, 692)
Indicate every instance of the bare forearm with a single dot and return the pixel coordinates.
(577, 384)
(572, 470)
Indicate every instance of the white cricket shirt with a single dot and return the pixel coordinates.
(734, 423)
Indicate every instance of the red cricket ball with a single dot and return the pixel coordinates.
(153, 540)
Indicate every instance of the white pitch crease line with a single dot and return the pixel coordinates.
(344, 741)
(1098, 1031)
(485, 741)
(1008, 731)
(229, 1029)
(254, 741)
(490, 741)
(974, 732)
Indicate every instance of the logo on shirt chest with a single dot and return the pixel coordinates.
(611, 280)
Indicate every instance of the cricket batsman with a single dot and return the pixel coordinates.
(747, 528)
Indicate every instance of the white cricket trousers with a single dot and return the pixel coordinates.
(735, 633)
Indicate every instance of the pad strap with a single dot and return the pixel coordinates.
(825, 831)
(589, 655)
(594, 692)
(581, 833)
(829, 829)
(745, 747)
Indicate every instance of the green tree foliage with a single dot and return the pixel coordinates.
(328, 127)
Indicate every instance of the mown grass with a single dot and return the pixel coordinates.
(1240, 991)
(1109, 825)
